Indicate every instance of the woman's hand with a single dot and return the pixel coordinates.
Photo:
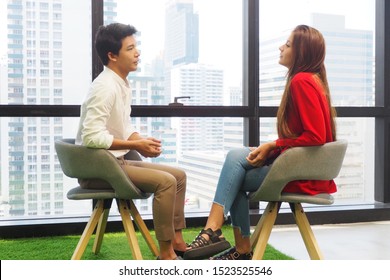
(259, 155)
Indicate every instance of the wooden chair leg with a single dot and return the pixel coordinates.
(91, 225)
(306, 231)
(260, 237)
(143, 228)
(129, 229)
(101, 227)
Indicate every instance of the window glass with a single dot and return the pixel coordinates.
(53, 56)
(198, 146)
(33, 184)
(349, 29)
(191, 47)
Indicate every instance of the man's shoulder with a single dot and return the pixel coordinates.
(103, 80)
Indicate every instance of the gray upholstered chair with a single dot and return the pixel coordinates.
(84, 163)
(299, 163)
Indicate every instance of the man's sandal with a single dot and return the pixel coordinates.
(201, 248)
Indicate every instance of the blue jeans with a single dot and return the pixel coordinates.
(237, 178)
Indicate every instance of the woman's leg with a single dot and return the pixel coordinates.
(229, 184)
(236, 179)
(228, 195)
(239, 210)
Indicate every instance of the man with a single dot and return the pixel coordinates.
(105, 124)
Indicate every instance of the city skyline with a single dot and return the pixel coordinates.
(203, 82)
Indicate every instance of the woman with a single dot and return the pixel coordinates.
(305, 118)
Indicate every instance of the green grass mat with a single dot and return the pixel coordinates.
(114, 247)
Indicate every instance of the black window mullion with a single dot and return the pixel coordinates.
(97, 20)
(382, 99)
(251, 71)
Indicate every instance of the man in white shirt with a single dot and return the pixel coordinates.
(105, 124)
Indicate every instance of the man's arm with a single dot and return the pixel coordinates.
(148, 147)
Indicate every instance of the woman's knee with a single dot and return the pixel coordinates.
(237, 154)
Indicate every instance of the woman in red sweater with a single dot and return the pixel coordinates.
(305, 118)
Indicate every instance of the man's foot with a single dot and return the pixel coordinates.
(181, 250)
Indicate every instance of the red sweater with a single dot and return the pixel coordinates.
(310, 119)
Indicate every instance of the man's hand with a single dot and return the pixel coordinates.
(148, 147)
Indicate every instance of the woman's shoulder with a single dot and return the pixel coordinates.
(303, 76)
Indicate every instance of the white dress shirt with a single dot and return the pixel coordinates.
(105, 113)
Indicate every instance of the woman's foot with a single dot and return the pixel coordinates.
(207, 244)
(233, 254)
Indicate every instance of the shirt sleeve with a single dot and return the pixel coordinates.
(129, 128)
(97, 111)
(307, 102)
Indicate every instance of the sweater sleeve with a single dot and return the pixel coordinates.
(308, 103)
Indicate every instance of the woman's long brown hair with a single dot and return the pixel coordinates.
(308, 51)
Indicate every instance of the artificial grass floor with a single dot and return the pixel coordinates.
(114, 247)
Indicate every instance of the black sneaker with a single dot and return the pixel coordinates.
(232, 254)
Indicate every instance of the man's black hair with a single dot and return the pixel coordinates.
(109, 39)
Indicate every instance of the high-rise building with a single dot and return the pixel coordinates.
(181, 38)
(204, 85)
(38, 66)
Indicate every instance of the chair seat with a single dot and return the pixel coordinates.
(79, 193)
(319, 199)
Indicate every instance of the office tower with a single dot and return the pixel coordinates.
(4, 205)
(110, 11)
(233, 128)
(41, 37)
(149, 90)
(350, 67)
(350, 71)
(204, 84)
(181, 39)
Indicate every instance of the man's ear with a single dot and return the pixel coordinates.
(111, 56)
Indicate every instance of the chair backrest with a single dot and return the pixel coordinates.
(301, 163)
(86, 163)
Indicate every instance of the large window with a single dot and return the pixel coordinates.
(46, 61)
(194, 47)
(51, 64)
(221, 56)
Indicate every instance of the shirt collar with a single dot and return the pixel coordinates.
(118, 78)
